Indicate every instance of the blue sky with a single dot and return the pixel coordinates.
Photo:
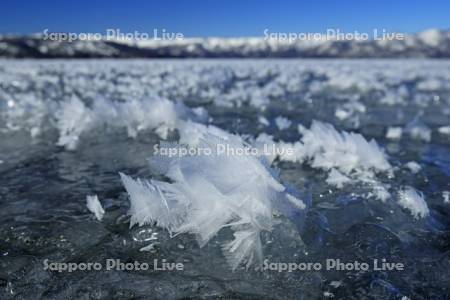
(222, 18)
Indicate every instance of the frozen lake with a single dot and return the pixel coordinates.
(68, 127)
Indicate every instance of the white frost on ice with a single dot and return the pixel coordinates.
(262, 120)
(157, 114)
(210, 192)
(132, 87)
(347, 156)
(337, 179)
(191, 132)
(444, 130)
(394, 133)
(149, 247)
(282, 122)
(292, 152)
(350, 109)
(418, 131)
(73, 118)
(336, 283)
(413, 167)
(345, 151)
(446, 196)
(328, 294)
(323, 147)
(296, 202)
(381, 193)
(342, 114)
(412, 200)
(95, 207)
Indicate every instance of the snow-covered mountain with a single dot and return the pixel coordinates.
(432, 43)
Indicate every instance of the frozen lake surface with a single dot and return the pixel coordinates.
(68, 127)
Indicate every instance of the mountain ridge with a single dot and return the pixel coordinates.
(431, 43)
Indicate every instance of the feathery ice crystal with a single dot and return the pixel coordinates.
(158, 114)
(210, 192)
(412, 200)
(95, 207)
